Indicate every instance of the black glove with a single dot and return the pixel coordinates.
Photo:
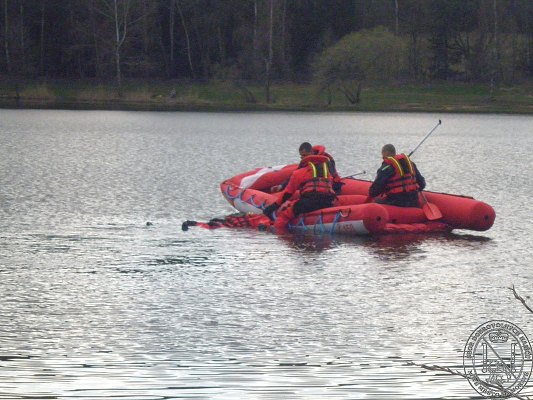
(337, 187)
(270, 209)
(186, 224)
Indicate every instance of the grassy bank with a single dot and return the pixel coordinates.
(215, 96)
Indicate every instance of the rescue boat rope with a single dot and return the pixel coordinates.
(319, 224)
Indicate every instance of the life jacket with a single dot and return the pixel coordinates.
(404, 179)
(318, 178)
(321, 151)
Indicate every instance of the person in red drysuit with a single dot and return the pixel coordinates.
(309, 188)
(306, 149)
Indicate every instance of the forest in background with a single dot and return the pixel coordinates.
(337, 44)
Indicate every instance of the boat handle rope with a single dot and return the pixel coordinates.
(252, 202)
(301, 223)
(231, 197)
(338, 216)
(348, 211)
(319, 222)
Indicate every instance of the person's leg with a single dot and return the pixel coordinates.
(309, 204)
(405, 200)
(291, 209)
(412, 200)
(284, 214)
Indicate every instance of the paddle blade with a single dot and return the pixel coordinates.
(431, 211)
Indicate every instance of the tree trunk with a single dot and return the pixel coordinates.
(397, 33)
(359, 90)
(348, 93)
(353, 95)
(41, 62)
(97, 69)
(496, 66)
(188, 41)
(146, 40)
(221, 47)
(396, 18)
(442, 60)
(6, 39)
(268, 64)
(255, 42)
(283, 49)
(415, 64)
(529, 54)
(76, 53)
(22, 43)
(529, 44)
(171, 27)
(117, 48)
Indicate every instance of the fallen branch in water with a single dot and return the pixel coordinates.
(521, 299)
(505, 393)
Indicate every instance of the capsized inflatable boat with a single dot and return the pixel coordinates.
(352, 213)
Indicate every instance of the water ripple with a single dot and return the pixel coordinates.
(96, 304)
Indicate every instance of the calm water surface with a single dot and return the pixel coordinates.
(94, 304)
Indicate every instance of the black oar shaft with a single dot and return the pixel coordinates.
(359, 173)
(423, 140)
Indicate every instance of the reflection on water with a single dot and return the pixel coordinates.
(95, 303)
(395, 247)
(309, 242)
(388, 247)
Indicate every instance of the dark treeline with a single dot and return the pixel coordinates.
(258, 40)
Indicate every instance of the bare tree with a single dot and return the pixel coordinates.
(397, 33)
(268, 61)
(122, 17)
(496, 56)
(258, 40)
(41, 52)
(119, 15)
(187, 39)
(121, 31)
(255, 38)
(283, 50)
(95, 42)
(396, 18)
(145, 27)
(6, 38)
(171, 27)
(22, 43)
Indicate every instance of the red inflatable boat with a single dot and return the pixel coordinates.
(352, 214)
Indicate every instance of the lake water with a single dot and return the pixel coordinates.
(95, 304)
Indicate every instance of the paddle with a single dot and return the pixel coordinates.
(357, 174)
(423, 140)
(410, 154)
(431, 211)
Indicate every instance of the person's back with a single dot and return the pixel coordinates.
(306, 150)
(321, 150)
(313, 179)
(309, 189)
(398, 179)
